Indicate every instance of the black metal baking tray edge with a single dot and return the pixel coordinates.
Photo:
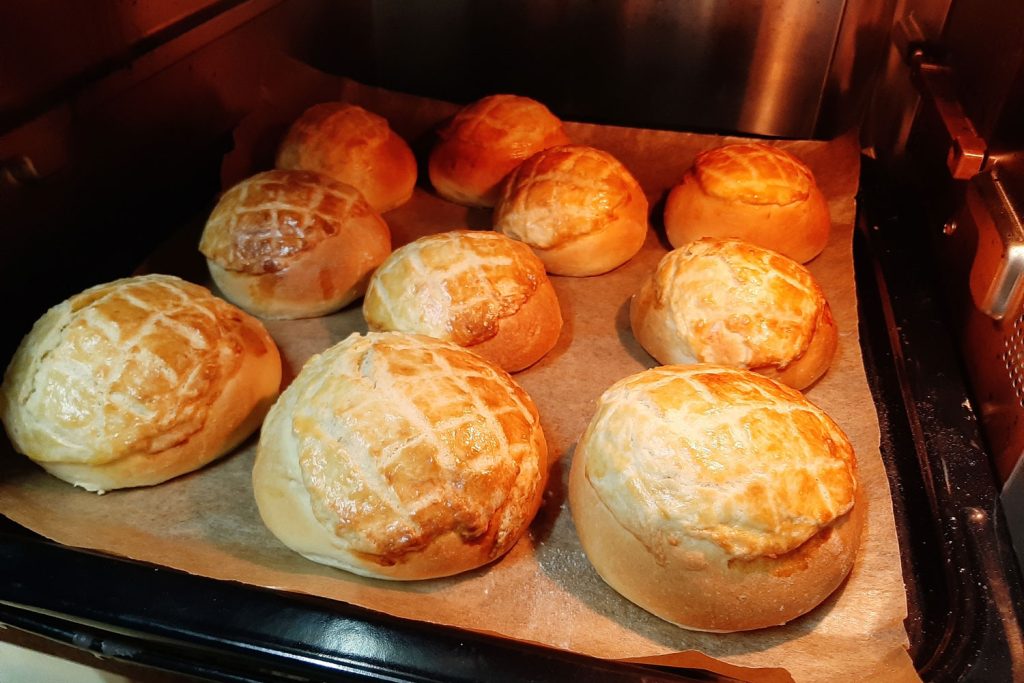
(963, 585)
(226, 631)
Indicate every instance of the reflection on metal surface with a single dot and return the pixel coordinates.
(997, 273)
(757, 66)
(984, 268)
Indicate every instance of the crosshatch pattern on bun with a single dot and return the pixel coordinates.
(480, 290)
(727, 301)
(354, 146)
(716, 498)
(579, 209)
(400, 457)
(136, 381)
(485, 141)
(754, 192)
(293, 244)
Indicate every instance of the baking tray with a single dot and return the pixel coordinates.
(963, 585)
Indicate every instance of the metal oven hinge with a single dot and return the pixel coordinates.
(936, 82)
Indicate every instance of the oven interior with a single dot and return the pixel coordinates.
(114, 120)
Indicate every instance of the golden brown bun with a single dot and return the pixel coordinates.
(480, 290)
(485, 141)
(355, 147)
(136, 381)
(715, 498)
(754, 192)
(293, 244)
(577, 207)
(397, 456)
(733, 303)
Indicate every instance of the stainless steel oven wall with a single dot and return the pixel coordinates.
(768, 67)
(962, 144)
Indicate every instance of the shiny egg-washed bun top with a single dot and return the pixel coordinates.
(480, 290)
(136, 381)
(401, 457)
(485, 141)
(716, 498)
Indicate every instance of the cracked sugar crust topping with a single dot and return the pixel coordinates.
(335, 132)
(506, 121)
(401, 439)
(563, 193)
(719, 455)
(739, 304)
(455, 285)
(753, 173)
(261, 224)
(130, 366)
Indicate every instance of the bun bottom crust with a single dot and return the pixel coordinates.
(659, 336)
(700, 588)
(798, 230)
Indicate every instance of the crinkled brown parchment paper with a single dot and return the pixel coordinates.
(544, 591)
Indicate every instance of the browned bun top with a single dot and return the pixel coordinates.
(734, 458)
(454, 285)
(754, 173)
(136, 368)
(730, 302)
(509, 124)
(354, 146)
(402, 457)
(578, 208)
(754, 192)
(484, 141)
(716, 498)
(262, 224)
(460, 286)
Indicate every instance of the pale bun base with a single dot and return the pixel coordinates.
(697, 587)
(235, 414)
(594, 254)
(526, 336)
(798, 230)
(661, 338)
(322, 280)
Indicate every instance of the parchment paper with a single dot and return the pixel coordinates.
(544, 590)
